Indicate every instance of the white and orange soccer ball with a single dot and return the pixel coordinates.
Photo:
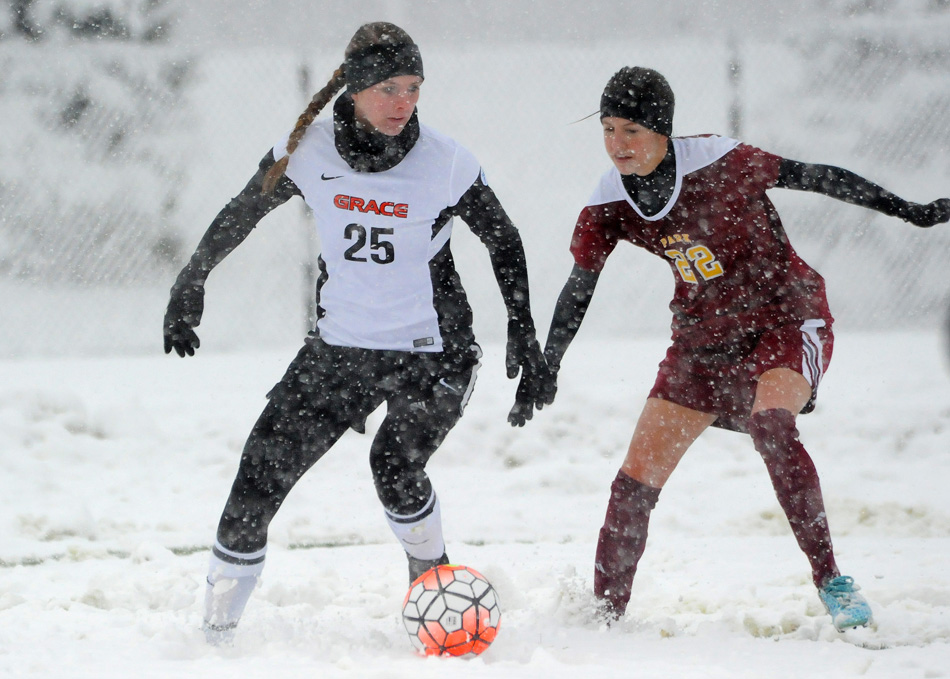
(451, 610)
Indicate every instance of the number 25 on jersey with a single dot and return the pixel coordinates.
(382, 249)
(697, 259)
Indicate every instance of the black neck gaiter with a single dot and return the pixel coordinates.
(652, 192)
(364, 149)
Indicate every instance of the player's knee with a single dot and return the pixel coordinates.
(775, 437)
(402, 488)
(772, 429)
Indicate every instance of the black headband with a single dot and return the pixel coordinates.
(376, 63)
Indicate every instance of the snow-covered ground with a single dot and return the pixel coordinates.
(115, 471)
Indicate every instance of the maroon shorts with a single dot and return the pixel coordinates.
(721, 379)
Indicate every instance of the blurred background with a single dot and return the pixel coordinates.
(125, 125)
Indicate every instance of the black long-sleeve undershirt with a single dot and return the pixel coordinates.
(480, 208)
(841, 184)
(235, 222)
(569, 313)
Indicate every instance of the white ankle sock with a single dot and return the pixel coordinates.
(232, 578)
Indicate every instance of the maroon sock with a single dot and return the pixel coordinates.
(796, 485)
(622, 540)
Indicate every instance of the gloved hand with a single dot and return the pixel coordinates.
(535, 390)
(538, 385)
(930, 214)
(183, 314)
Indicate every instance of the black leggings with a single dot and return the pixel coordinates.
(326, 390)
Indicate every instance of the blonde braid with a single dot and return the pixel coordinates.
(317, 104)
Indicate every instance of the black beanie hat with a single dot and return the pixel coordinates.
(381, 61)
(641, 95)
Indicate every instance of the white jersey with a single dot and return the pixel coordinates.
(378, 233)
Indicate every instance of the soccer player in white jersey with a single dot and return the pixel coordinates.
(394, 324)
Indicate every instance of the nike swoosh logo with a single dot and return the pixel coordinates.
(449, 386)
(326, 178)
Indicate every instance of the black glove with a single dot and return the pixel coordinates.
(183, 314)
(535, 390)
(930, 214)
(538, 385)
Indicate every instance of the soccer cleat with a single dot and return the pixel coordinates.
(419, 566)
(605, 613)
(847, 608)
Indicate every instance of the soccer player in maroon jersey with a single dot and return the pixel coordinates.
(751, 331)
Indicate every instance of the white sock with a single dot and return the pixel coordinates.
(231, 580)
(421, 533)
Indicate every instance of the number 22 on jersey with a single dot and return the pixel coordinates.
(697, 259)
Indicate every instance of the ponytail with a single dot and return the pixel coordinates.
(317, 104)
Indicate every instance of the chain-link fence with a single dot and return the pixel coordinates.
(114, 159)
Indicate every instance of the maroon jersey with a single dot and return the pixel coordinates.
(734, 269)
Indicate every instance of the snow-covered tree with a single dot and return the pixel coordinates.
(127, 20)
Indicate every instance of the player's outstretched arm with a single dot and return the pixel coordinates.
(569, 313)
(845, 185)
(484, 214)
(228, 230)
